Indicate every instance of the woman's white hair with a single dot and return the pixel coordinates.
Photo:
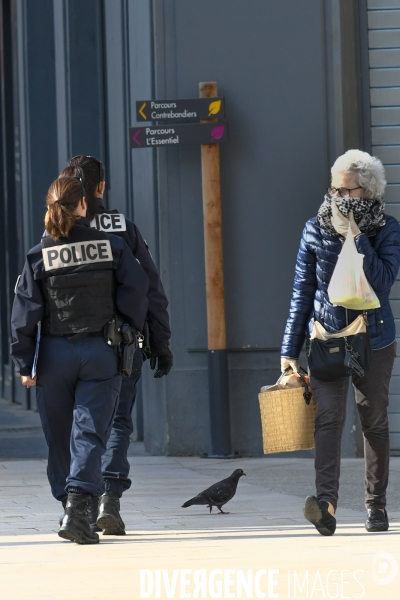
(369, 170)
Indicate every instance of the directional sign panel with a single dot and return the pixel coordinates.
(196, 108)
(153, 136)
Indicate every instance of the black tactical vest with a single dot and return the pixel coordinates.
(79, 282)
(110, 222)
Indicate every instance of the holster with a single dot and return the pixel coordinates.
(112, 331)
(129, 346)
(124, 339)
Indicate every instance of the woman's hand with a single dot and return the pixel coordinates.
(341, 224)
(289, 362)
(28, 381)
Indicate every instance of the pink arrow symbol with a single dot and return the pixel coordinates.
(135, 136)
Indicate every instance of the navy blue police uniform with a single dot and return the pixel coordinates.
(115, 461)
(74, 286)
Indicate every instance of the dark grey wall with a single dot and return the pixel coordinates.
(280, 66)
(269, 62)
(79, 76)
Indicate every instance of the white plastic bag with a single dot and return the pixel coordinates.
(349, 287)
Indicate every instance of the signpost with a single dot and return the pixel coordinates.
(193, 108)
(209, 134)
(153, 136)
(218, 374)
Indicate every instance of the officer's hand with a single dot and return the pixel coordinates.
(28, 381)
(164, 362)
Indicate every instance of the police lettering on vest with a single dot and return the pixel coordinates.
(78, 253)
(109, 222)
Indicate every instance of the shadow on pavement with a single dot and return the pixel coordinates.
(22, 437)
(21, 434)
(151, 538)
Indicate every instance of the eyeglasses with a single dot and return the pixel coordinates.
(96, 160)
(343, 192)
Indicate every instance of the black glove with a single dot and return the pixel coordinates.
(164, 363)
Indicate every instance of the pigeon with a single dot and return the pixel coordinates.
(218, 494)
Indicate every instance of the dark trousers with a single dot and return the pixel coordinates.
(115, 460)
(372, 400)
(77, 393)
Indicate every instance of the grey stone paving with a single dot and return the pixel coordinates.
(265, 527)
(161, 484)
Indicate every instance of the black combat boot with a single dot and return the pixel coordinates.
(64, 504)
(75, 526)
(92, 513)
(109, 519)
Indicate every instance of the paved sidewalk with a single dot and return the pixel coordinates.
(265, 530)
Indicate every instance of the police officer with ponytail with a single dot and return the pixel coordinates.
(73, 283)
(115, 462)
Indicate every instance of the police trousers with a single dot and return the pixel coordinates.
(372, 401)
(77, 396)
(115, 459)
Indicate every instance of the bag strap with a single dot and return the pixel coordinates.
(307, 394)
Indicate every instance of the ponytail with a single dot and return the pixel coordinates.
(58, 221)
(62, 200)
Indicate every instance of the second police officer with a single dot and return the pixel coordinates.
(73, 284)
(115, 460)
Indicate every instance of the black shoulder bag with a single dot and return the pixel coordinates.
(340, 356)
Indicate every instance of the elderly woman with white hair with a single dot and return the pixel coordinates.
(355, 198)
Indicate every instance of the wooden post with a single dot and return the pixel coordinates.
(213, 236)
(216, 329)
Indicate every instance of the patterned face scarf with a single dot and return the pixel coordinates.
(368, 214)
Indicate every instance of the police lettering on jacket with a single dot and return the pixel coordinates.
(78, 253)
(109, 222)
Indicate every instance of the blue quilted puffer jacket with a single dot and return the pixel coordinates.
(316, 261)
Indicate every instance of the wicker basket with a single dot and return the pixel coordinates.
(287, 421)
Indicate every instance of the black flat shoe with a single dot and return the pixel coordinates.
(317, 513)
(376, 520)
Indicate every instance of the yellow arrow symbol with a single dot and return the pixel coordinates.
(141, 111)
